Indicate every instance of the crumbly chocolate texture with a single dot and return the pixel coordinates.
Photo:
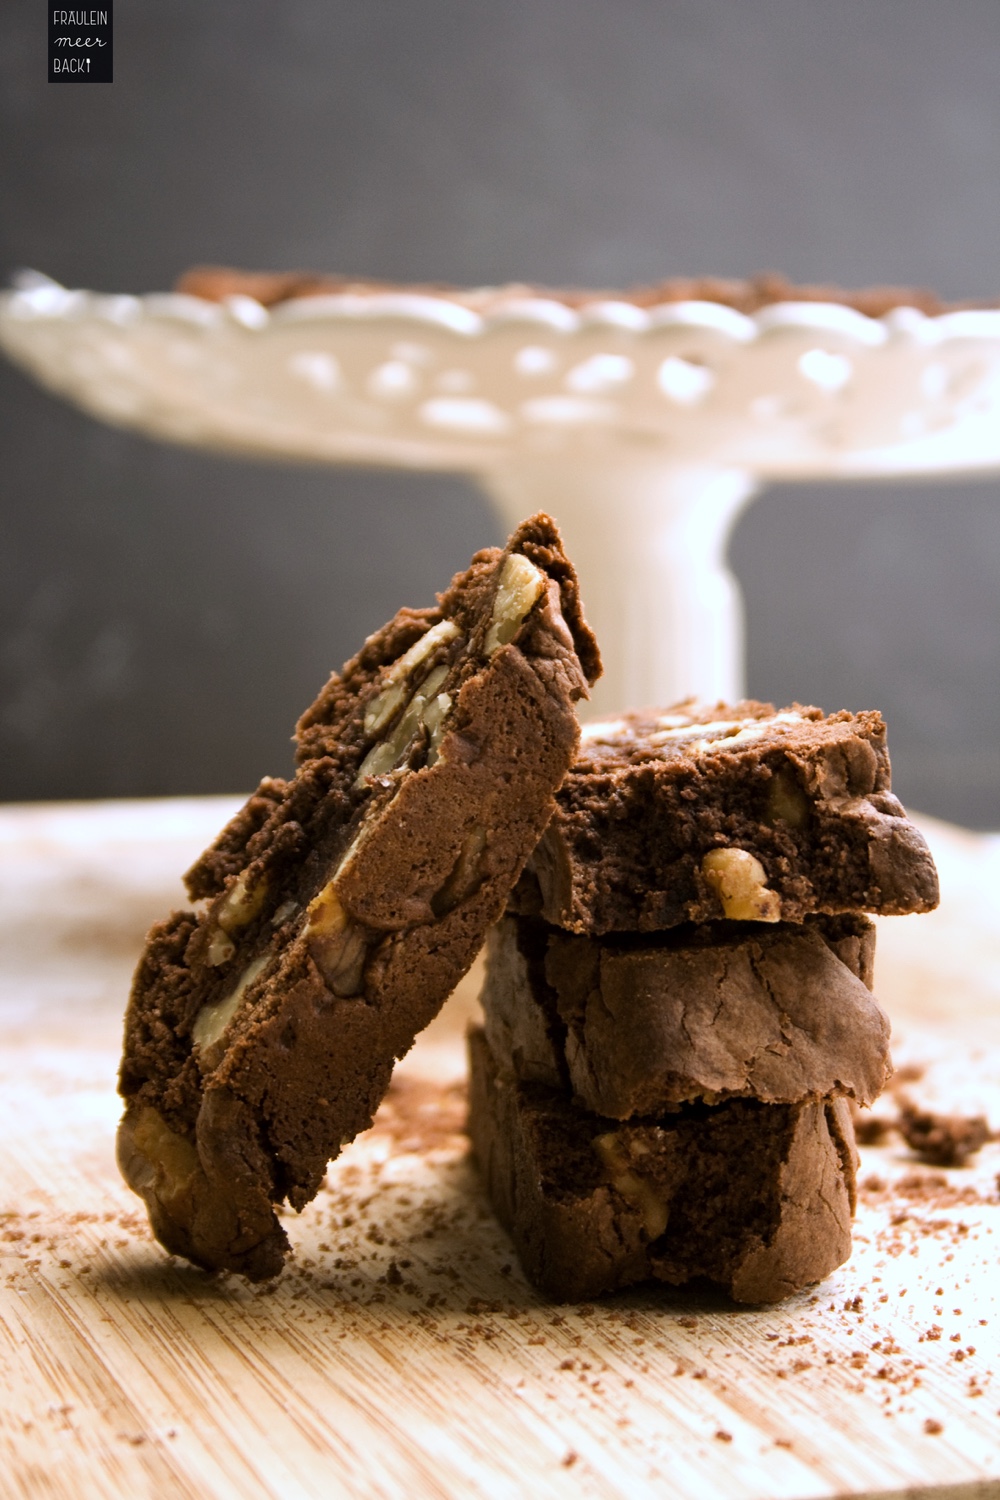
(636, 1027)
(340, 908)
(757, 1198)
(213, 283)
(699, 812)
(942, 1140)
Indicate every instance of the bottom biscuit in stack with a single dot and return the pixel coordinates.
(756, 1197)
(676, 1107)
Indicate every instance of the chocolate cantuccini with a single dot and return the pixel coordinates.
(337, 910)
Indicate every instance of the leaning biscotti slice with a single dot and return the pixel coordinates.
(339, 909)
(697, 813)
(636, 1025)
(757, 1198)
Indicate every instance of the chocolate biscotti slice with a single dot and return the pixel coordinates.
(702, 812)
(757, 1198)
(337, 910)
(634, 1026)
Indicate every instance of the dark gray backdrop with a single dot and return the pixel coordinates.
(165, 614)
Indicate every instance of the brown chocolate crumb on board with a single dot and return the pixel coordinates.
(418, 1116)
(941, 1140)
(871, 1130)
(339, 909)
(765, 289)
(938, 1138)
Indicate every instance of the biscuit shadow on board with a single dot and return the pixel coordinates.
(426, 1246)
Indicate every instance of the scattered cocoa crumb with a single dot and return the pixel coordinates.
(871, 1130)
(932, 1426)
(934, 1189)
(942, 1140)
(569, 1459)
(723, 1437)
(419, 1116)
(908, 1073)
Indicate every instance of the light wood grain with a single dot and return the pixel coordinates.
(402, 1354)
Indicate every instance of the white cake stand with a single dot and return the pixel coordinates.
(643, 431)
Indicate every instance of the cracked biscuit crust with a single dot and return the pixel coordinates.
(635, 1026)
(338, 910)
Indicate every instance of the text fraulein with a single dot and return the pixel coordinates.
(79, 18)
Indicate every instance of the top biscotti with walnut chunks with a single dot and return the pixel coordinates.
(700, 812)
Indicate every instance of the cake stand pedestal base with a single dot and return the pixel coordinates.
(649, 542)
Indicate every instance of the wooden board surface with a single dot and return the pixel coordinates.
(402, 1354)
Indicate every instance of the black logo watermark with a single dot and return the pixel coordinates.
(81, 44)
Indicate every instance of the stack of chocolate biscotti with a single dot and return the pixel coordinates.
(678, 1006)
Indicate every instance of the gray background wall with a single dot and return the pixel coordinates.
(165, 614)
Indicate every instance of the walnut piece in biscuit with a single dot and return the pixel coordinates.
(740, 881)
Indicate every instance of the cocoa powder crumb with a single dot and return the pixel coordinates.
(419, 1116)
(908, 1073)
(872, 1130)
(942, 1140)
